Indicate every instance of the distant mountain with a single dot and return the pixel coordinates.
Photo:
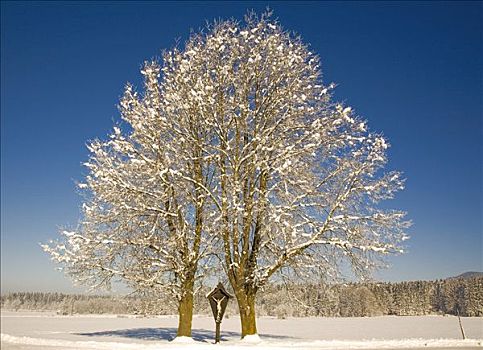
(469, 274)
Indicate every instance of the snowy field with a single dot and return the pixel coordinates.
(47, 331)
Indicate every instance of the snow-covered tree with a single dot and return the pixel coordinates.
(143, 218)
(297, 178)
(238, 143)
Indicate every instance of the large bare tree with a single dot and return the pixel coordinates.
(239, 142)
(297, 178)
(142, 220)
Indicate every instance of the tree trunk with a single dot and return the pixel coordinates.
(185, 312)
(246, 305)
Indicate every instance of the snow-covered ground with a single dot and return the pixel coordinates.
(39, 331)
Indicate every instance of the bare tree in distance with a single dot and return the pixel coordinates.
(298, 177)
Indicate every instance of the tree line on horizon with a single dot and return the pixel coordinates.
(414, 298)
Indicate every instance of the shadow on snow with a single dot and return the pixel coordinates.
(170, 333)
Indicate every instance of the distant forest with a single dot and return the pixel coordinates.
(463, 296)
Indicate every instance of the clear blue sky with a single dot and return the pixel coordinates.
(413, 70)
